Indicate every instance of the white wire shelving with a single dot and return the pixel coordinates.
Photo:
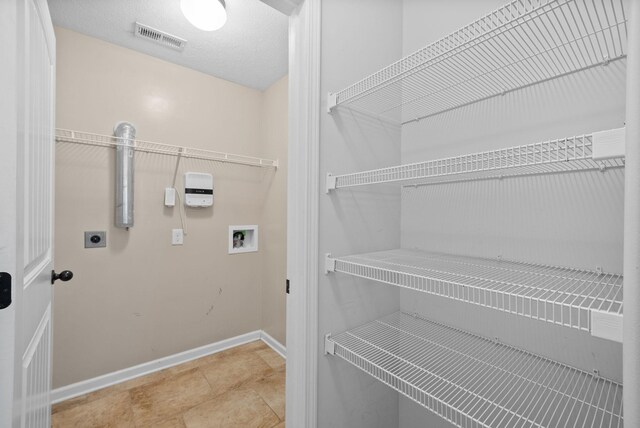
(584, 300)
(79, 137)
(518, 45)
(596, 151)
(475, 382)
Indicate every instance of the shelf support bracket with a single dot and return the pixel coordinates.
(329, 264)
(608, 144)
(329, 345)
(332, 101)
(606, 325)
(332, 181)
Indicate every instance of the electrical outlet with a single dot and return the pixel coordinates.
(177, 237)
(95, 239)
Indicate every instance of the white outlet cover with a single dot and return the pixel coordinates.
(177, 237)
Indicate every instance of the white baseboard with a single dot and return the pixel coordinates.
(274, 344)
(90, 385)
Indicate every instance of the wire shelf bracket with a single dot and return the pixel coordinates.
(99, 140)
(521, 44)
(606, 325)
(329, 345)
(597, 151)
(332, 101)
(329, 263)
(579, 299)
(475, 382)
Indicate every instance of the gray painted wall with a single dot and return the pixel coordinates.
(354, 44)
(567, 219)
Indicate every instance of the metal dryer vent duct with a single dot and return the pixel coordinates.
(125, 134)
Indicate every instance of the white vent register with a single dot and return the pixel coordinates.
(159, 37)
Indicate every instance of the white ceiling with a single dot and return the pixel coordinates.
(251, 49)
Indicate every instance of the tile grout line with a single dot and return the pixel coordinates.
(204, 400)
(265, 401)
(237, 387)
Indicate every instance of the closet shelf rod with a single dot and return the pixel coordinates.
(99, 140)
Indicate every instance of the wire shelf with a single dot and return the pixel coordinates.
(475, 382)
(520, 44)
(554, 156)
(79, 137)
(557, 295)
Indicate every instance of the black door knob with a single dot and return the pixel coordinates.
(65, 276)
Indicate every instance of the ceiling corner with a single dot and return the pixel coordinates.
(285, 6)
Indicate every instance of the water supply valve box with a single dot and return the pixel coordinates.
(198, 189)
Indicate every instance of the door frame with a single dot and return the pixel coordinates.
(631, 272)
(8, 212)
(302, 214)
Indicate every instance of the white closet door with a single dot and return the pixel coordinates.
(26, 215)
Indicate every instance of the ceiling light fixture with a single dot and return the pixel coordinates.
(207, 15)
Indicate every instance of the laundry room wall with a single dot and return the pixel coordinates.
(274, 225)
(141, 298)
(358, 37)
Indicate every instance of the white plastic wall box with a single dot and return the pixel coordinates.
(169, 197)
(198, 189)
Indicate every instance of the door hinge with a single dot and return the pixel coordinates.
(288, 286)
(5, 290)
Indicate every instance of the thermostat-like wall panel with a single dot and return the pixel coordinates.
(198, 189)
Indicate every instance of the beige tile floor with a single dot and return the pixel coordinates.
(239, 387)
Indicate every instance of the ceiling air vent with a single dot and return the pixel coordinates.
(160, 37)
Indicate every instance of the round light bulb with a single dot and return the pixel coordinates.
(207, 15)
